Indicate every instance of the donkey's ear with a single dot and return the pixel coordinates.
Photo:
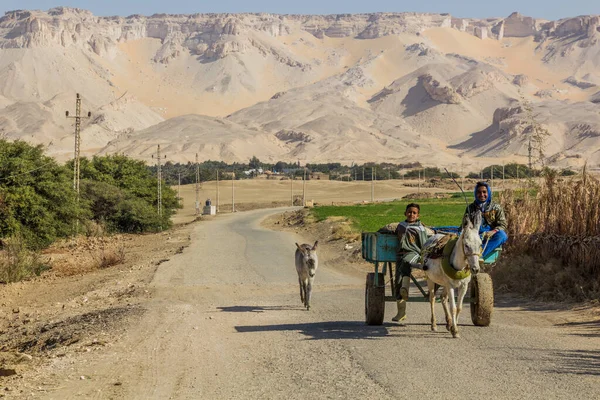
(299, 247)
(467, 224)
(477, 220)
(315, 245)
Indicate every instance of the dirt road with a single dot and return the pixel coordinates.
(224, 321)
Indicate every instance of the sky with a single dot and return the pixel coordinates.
(547, 9)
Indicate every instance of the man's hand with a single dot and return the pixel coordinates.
(487, 235)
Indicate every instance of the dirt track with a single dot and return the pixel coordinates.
(223, 320)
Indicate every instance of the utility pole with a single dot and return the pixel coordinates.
(503, 184)
(292, 189)
(389, 173)
(372, 185)
(529, 149)
(419, 182)
(76, 165)
(232, 191)
(304, 189)
(159, 179)
(217, 190)
(197, 186)
(363, 174)
(179, 187)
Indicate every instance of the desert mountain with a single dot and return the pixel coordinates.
(351, 88)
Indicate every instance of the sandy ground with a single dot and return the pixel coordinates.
(198, 312)
(222, 320)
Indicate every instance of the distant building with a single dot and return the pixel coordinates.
(319, 176)
(254, 171)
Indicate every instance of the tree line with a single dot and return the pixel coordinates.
(39, 204)
(175, 173)
(185, 173)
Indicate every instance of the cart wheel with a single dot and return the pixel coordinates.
(482, 299)
(374, 299)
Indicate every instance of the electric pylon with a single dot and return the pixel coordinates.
(76, 164)
(159, 178)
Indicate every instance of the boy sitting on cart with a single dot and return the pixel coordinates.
(412, 235)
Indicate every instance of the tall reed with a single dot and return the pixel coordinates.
(554, 239)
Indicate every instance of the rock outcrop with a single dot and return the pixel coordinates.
(517, 25)
(579, 26)
(521, 80)
(481, 32)
(476, 80)
(291, 136)
(439, 92)
(579, 83)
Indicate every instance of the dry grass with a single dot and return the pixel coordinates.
(554, 239)
(17, 262)
(342, 229)
(107, 257)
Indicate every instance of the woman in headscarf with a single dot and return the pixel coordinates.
(494, 220)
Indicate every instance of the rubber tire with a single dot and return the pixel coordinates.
(374, 300)
(482, 299)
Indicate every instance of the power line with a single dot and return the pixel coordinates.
(26, 172)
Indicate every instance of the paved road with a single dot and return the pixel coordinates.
(225, 322)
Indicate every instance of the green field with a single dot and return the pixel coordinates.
(371, 217)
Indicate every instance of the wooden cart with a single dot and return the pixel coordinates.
(380, 249)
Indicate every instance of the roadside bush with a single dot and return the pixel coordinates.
(107, 257)
(124, 194)
(137, 216)
(37, 200)
(38, 204)
(17, 262)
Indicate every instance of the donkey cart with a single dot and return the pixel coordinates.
(380, 249)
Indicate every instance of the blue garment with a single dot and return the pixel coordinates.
(499, 238)
(496, 241)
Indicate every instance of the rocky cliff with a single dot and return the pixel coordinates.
(209, 35)
(312, 87)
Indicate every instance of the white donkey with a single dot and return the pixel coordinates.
(456, 274)
(306, 266)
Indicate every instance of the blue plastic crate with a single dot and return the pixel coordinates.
(379, 247)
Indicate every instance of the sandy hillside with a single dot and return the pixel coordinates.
(348, 88)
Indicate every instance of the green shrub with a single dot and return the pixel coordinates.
(123, 187)
(137, 216)
(37, 200)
